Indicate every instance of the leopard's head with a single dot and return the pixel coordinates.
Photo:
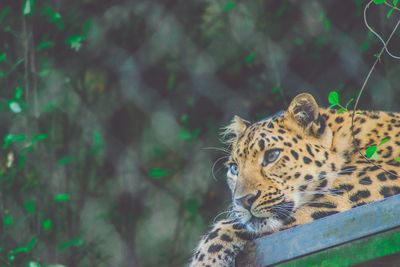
(278, 164)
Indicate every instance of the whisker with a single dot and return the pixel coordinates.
(226, 151)
(215, 164)
(218, 170)
(220, 214)
(281, 211)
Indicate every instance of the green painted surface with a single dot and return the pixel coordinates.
(359, 251)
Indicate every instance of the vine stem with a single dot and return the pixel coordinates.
(377, 60)
(376, 34)
(25, 42)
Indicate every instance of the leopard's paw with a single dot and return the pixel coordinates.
(221, 246)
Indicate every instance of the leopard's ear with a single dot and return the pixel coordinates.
(235, 128)
(304, 110)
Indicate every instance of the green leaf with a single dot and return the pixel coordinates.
(76, 242)
(229, 5)
(8, 220)
(44, 73)
(379, 2)
(98, 142)
(384, 140)
(31, 244)
(45, 44)
(30, 206)
(87, 26)
(28, 6)
(18, 93)
(49, 106)
(3, 57)
(327, 23)
(4, 13)
(66, 160)
(333, 98)
(196, 133)
(185, 134)
(47, 224)
(11, 256)
(62, 197)
(192, 206)
(75, 42)
(395, 2)
(157, 173)
(364, 46)
(341, 110)
(370, 151)
(33, 264)
(53, 16)
(21, 161)
(390, 12)
(11, 138)
(25, 249)
(15, 107)
(397, 158)
(250, 57)
(276, 89)
(184, 118)
(39, 137)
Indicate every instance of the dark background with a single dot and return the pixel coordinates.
(110, 113)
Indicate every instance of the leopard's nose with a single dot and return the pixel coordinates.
(248, 200)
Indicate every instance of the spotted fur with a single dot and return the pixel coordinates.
(318, 172)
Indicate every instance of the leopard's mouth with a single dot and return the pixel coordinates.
(277, 216)
(270, 220)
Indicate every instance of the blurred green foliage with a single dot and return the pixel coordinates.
(110, 113)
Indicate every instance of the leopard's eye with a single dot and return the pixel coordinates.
(270, 156)
(233, 169)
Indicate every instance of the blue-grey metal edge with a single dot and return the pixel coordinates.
(328, 232)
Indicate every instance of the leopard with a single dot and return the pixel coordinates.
(298, 166)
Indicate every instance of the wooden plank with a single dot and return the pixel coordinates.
(328, 232)
(356, 252)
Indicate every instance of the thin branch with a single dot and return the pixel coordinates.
(33, 72)
(384, 48)
(376, 34)
(25, 43)
(395, 8)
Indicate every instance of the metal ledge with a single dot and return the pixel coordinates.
(328, 232)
